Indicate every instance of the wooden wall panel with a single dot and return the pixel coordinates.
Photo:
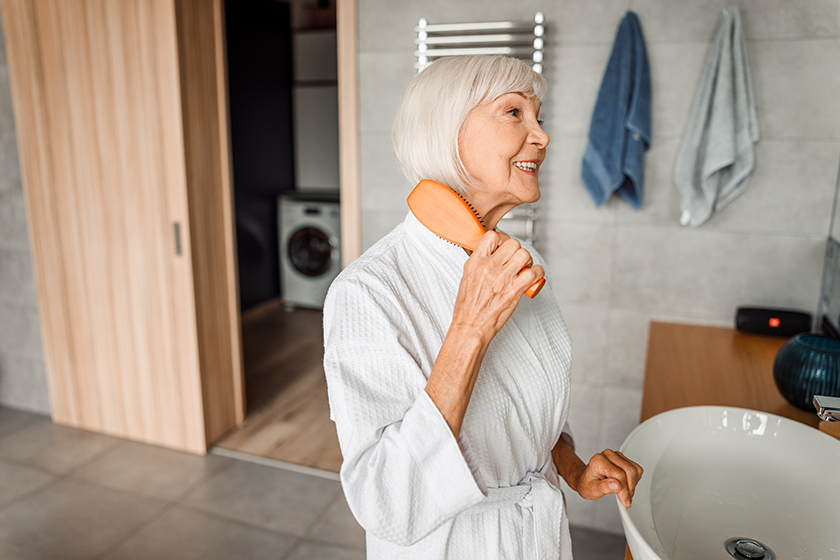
(97, 93)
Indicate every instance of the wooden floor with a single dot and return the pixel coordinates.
(287, 410)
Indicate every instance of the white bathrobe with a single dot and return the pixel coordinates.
(417, 491)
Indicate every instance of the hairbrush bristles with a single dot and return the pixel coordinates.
(467, 202)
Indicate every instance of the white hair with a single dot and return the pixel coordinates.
(435, 105)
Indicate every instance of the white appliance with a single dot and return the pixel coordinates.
(315, 106)
(310, 250)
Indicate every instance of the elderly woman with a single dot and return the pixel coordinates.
(449, 390)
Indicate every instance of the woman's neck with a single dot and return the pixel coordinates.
(488, 208)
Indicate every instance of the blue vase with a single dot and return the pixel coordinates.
(808, 365)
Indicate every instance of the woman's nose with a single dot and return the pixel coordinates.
(538, 136)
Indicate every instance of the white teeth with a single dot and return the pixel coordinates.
(526, 166)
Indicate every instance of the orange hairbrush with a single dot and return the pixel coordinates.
(449, 216)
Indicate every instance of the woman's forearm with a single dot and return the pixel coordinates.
(454, 374)
(569, 465)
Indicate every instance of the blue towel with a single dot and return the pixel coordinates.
(619, 134)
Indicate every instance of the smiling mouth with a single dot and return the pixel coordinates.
(529, 166)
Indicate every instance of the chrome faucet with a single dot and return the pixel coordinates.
(828, 408)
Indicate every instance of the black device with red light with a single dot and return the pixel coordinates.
(773, 322)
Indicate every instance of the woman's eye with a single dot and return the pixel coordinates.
(514, 112)
(540, 122)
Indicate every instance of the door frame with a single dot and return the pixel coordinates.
(348, 130)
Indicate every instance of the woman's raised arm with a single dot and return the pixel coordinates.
(490, 290)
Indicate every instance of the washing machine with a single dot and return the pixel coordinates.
(310, 250)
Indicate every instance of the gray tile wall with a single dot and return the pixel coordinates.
(23, 382)
(615, 269)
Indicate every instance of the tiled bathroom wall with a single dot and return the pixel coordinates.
(616, 269)
(23, 382)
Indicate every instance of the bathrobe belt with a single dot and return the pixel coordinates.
(534, 496)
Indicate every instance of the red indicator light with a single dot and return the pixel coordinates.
(774, 322)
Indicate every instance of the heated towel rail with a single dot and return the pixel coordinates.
(522, 39)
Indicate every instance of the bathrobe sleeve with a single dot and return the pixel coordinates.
(404, 473)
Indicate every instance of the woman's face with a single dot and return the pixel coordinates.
(502, 146)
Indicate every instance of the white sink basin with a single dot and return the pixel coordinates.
(714, 474)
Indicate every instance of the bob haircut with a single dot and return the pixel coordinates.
(435, 105)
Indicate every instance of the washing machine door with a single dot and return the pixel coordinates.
(310, 251)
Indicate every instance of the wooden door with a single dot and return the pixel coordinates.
(98, 105)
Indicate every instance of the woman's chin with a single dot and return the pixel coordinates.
(531, 195)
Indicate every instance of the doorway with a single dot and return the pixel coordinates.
(287, 412)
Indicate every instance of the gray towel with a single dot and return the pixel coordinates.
(717, 154)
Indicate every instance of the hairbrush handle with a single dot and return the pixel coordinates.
(535, 287)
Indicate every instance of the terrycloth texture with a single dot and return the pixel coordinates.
(619, 134)
(418, 492)
(717, 153)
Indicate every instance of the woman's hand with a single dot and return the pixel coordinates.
(608, 472)
(492, 285)
(489, 292)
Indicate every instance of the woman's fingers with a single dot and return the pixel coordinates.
(606, 486)
(611, 472)
(490, 242)
(499, 246)
(521, 257)
(505, 257)
(632, 470)
(508, 250)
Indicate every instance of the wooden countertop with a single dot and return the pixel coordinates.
(689, 365)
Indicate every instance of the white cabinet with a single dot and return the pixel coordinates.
(315, 106)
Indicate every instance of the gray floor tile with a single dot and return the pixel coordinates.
(71, 520)
(12, 419)
(271, 498)
(18, 480)
(182, 534)
(588, 544)
(146, 469)
(338, 526)
(51, 447)
(319, 551)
